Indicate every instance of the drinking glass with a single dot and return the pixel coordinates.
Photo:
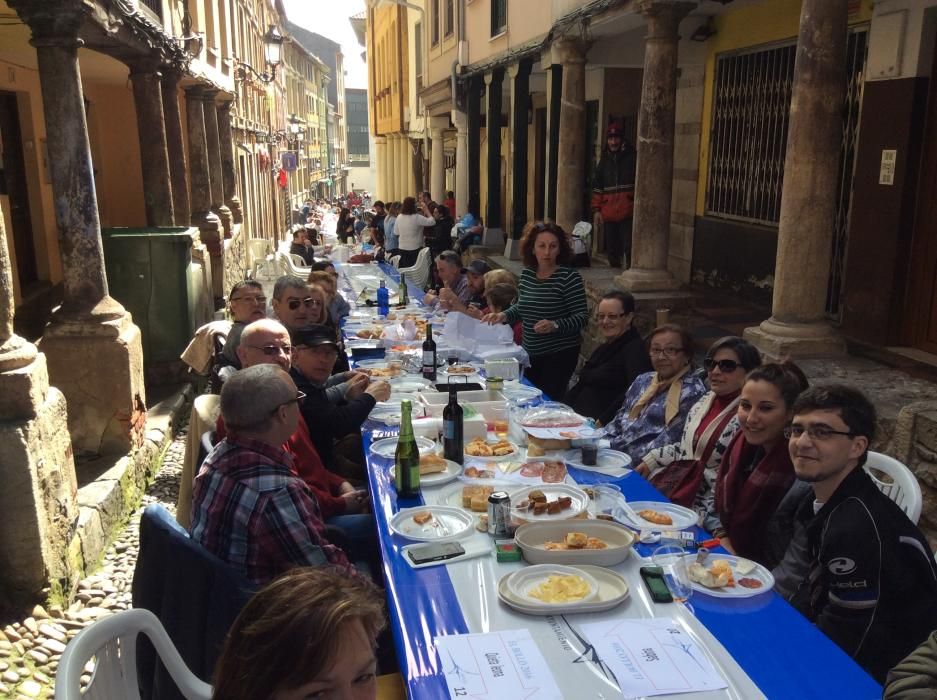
(675, 562)
(499, 421)
(606, 498)
(452, 358)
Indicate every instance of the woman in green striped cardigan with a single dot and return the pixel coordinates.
(551, 306)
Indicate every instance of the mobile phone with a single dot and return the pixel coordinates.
(435, 551)
(656, 585)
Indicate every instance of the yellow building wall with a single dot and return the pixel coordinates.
(752, 25)
(387, 67)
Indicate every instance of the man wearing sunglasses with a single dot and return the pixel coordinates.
(868, 578)
(292, 304)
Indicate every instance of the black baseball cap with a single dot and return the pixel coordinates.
(478, 267)
(313, 336)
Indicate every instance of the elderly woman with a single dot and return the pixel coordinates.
(656, 405)
(551, 306)
(615, 364)
(685, 471)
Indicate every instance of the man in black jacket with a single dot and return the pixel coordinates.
(870, 582)
(335, 405)
(613, 194)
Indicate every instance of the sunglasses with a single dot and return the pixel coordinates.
(725, 366)
(273, 350)
(255, 299)
(294, 304)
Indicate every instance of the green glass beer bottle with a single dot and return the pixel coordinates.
(407, 457)
(403, 296)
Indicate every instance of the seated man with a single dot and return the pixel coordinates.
(314, 355)
(475, 274)
(249, 508)
(449, 270)
(870, 582)
(292, 304)
(248, 304)
(300, 246)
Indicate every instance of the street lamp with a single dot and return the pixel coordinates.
(273, 56)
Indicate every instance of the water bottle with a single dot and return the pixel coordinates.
(383, 300)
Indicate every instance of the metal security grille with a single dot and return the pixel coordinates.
(748, 141)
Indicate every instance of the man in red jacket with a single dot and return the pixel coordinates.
(613, 194)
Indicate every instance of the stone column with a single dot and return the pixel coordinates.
(654, 176)
(200, 194)
(437, 166)
(494, 235)
(554, 100)
(228, 171)
(571, 156)
(519, 75)
(798, 326)
(151, 130)
(474, 145)
(210, 115)
(38, 498)
(461, 162)
(175, 146)
(381, 189)
(92, 347)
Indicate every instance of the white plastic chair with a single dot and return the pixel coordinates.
(903, 488)
(112, 641)
(582, 238)
(420, 272)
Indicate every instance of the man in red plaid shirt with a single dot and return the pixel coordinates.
(249, 507)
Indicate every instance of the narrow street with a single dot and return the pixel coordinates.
(30, 648)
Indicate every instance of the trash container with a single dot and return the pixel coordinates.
(148, 271)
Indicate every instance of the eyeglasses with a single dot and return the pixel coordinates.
(814, 432)
(294, 304)
(725, 366)
(665, 352)
(273, 350)
(608, 317)
(299, 398)
(254, 299)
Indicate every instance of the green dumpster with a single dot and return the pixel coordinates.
(148, 271)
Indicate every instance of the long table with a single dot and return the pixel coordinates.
(761, 645)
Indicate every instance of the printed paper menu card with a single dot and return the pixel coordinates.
(652, 657)
(496, 665)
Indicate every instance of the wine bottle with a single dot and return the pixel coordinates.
(407, 457)
(452, 428)
(403, 296)
(383, 300)
(429, 355)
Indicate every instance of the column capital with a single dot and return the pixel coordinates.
(495, 75)
(664, 16)
(148, 65)
(459, 120)
(519, 69)
(52, 22)
(568, 50)
(380, 139)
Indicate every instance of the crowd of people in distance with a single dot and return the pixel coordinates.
(773, 467)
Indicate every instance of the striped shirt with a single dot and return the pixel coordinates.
(561, 298)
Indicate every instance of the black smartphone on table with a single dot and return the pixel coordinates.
(435, 551)
(656, 585)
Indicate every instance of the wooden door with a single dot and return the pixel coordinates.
(923, 287)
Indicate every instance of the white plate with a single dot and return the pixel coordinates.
(520, 393)
(522, 582)
(372, 364)
(388, 446)
(607, 460)
(474, 373)
(682, 517)
(407, 385)
(452, 471)
(388, 412)
(452, 495)
(613, 590)
(552, 492)
(447, 524)
(759, 573)
(499, 458)
(532, 537)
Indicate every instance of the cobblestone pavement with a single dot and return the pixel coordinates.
(30, 649)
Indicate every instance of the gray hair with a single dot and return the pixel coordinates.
(262, 325)
(451, 257)
(250, 397)
(287, 282)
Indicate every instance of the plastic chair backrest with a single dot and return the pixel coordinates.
(582, 230)
(903, 489)
(419, 273)
(208, 407)
(112, 642)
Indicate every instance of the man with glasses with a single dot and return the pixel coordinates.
(292, 304)
(868, 578)
(249, 507)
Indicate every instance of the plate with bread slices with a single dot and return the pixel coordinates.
(432, 523)
(726, 576)
(656, 516)
(434, 470)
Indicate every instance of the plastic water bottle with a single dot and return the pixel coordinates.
(383, 300)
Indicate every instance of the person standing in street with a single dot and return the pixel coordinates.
(613, 194)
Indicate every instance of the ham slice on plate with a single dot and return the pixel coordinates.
(553, 472)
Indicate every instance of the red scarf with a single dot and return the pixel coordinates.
(745, 500)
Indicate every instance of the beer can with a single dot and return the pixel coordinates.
(499, 514)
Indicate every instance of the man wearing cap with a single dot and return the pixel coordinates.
(475, 275)
(613, 194)
(330, 417)
(455, 285)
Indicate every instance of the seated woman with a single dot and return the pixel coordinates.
(656, 405)
(310, 633)
(615, 364)
(320, 315)
(686, 471)
(756, 471)
(324, 275)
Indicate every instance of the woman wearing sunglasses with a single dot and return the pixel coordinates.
(685, 471)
